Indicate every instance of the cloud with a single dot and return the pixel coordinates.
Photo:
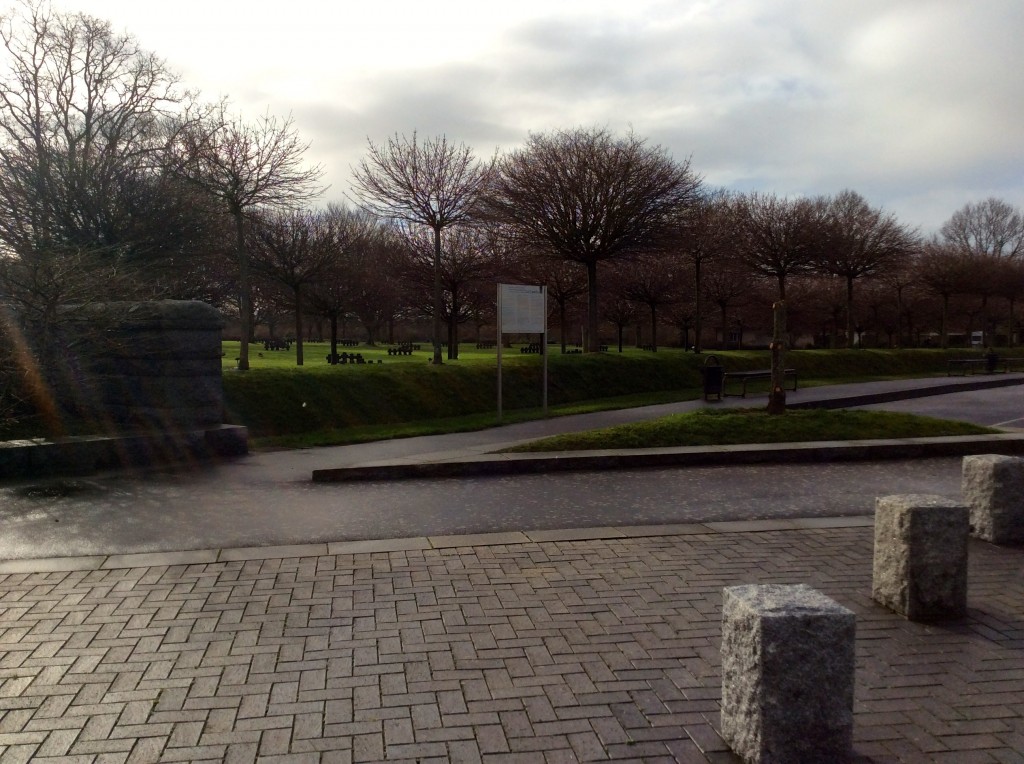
(917, 104)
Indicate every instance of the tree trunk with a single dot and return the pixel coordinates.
(654, 328)
(437, 297)
(777, 396)
(561, 323)
(298, 325)
(849, 313)
(1011, 338)
(593, 341)
(943, 333)
(244, 291)
(899, 318)
(698, 323)
(334, 337)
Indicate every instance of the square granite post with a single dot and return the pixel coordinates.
(920, 560)
(993, 489)
(787, 674)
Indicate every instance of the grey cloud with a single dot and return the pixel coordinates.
(916, 103)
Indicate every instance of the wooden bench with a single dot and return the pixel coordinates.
(746, 376)
(961, 367)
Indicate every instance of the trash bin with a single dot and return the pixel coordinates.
(712, 375)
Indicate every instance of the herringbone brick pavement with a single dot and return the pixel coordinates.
(538, 652)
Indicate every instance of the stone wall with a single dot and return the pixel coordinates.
(144, 366)
(147, 375)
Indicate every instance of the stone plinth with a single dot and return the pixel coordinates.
(920, 559)
(787, 674)
(145, 366)
(993, 489)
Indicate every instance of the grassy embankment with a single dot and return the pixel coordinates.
(736, 426)
(319, 404)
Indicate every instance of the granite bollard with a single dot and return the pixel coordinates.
(787, 674)
(993, 489)
(920, 556)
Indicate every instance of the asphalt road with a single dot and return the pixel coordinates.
(996, 407)
(267, 498)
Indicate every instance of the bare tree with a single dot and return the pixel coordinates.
(776, 236)
(564, 281)
(900, 280)
(85, 201)
(708, 234)
(945, 272)
(991, 227)
(656, 284)
(247, 166)
(619, 311)
(590, 197)
(295, 249)
(729, 286)
(858, 241)
(466, 266)
(432, 183)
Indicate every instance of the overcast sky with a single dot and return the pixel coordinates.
(916, 104)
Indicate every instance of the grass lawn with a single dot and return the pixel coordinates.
(737, 426)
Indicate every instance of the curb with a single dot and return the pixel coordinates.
(868, 399)
(570, 461)
(87, 563)
(88, 454)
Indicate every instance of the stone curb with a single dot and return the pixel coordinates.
(422, 543)
(692, 456)
(869, 399)
(88, 454)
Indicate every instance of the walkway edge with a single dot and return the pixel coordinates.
(205, 557)
(569, 461)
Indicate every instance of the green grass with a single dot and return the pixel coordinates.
(736, 426)
(319, 404)
(467, 423)
(334, 404)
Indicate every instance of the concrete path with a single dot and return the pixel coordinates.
(140, 623)
(268, 499)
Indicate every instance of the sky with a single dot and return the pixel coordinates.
(916, 104)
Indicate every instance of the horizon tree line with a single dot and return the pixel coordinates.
(116, 182)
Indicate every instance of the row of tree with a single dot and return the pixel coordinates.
(116, 183)
(886, 288)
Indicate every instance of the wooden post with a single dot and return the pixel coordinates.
(777, 396)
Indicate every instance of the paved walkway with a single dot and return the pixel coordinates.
(593, 646)
(542, 645)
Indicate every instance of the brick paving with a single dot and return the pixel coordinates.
(541, 651)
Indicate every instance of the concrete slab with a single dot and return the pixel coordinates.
(375, 546)
(160, 559)
(683, 529)
(478, 539)
(752, 526)
(574, 534)
(834, 522)
(52, 564)
(273, 552)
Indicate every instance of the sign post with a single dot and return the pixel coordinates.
(523, 309)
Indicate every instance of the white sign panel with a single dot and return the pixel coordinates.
(522, 309)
